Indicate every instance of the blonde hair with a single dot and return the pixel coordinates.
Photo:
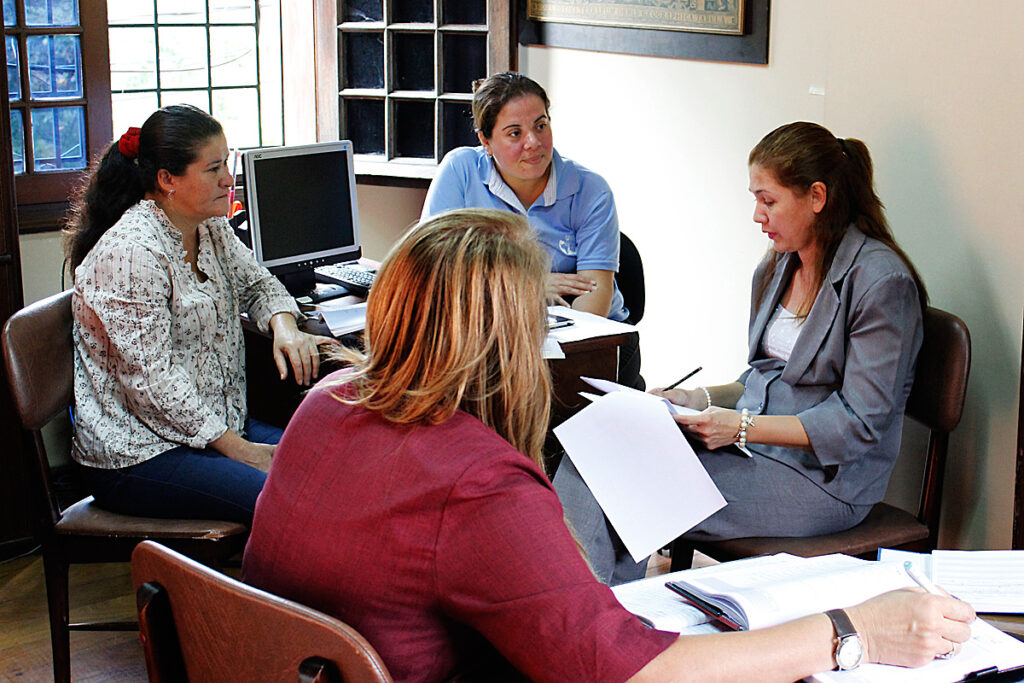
(455, 320)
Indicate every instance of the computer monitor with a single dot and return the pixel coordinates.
(301, 204)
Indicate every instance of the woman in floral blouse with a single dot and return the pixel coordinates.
(159, 282)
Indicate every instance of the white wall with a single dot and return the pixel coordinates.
(933, 88)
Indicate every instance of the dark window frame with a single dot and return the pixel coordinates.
(53, 188)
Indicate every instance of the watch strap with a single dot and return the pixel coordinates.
(841, 622)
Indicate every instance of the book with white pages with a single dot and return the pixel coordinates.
(772, 589)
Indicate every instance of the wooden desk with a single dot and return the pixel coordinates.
(274, 401)
(1011, 623)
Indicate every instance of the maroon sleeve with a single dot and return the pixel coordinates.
(508, 567)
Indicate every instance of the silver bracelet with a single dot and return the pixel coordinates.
(707, 395)
(746, 421)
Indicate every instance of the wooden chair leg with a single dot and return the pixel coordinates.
(55, 567)
(682, 555)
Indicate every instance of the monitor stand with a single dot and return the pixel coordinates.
(300, 282)
(303, 284)
(324, 292)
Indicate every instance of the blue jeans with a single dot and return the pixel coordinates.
(184, 483)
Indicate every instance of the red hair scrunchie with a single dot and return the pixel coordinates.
(129, 143)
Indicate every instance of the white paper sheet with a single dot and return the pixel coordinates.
(344, 320)
(551, 349)
(608, 387)
(640, 468)
(587, 325)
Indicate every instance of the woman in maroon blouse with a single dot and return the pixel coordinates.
(407, 498)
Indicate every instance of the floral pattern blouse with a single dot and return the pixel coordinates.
(159, 355)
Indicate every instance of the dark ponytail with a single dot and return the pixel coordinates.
(170, 139)
(801, 154)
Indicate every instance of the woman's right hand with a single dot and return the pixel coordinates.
(683, 397)
(233, 446)
(911, 627)
(567, 284)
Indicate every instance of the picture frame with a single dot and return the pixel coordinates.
(750, 47)
(702, 16)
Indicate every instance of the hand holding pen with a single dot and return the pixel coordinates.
(677, 396)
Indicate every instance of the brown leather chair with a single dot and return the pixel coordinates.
(199, 625)
(39, 358)
(936, 401)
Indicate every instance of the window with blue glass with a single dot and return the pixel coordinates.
(47, 91)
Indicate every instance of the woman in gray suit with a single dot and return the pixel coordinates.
(835, 327)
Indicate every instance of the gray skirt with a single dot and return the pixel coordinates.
(764, 498)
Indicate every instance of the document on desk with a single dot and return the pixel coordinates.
(640, 468)
(344, 320)
(585, 325)
(991, 580)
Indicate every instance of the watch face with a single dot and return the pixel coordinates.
(849, 653)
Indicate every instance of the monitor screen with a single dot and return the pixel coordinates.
(301, 203)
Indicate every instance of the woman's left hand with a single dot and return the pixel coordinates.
(296, 348)
(714, 427)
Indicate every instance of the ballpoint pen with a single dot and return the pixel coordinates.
(921, 580)
(684, 378)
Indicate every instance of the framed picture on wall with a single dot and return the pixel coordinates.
(708, 30)
(702, 16)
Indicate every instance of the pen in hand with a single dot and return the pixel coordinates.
(684, 378)
(921, 580)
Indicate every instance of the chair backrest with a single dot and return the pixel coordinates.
(37, 346)
(39, 358)
(199, 625)
(630, 278)
(937, 400)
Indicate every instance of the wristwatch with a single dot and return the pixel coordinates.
(849, 652)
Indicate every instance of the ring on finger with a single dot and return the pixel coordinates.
(953, 652)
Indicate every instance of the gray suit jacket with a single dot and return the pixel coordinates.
(850, 371)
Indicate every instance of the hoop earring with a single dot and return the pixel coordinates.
(170, 195)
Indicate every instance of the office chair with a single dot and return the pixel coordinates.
(39, 358)
(630, 279)
(936, 401)
(199, 625)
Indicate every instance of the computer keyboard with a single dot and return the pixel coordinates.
(357, 279)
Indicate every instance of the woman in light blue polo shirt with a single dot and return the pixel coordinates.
(571, 208)
(516, 168)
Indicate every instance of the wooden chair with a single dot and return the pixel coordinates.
(39, 359)
(936, 401)
(199, 625)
